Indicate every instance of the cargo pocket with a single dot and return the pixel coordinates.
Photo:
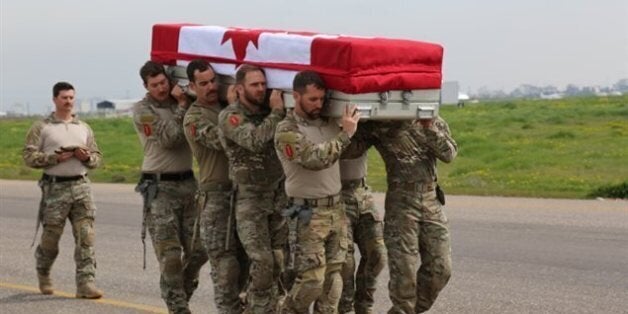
(307, 260)
(431, 208)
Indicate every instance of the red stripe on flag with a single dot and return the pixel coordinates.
(165, 43)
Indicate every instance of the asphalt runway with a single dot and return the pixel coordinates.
(510, 255)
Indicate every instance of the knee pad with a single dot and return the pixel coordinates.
(85, 232)
(50, 238)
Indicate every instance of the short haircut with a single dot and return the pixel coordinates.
(244, 69)
(305, 78)
(198, 65)
(57, 88)
(151, 69)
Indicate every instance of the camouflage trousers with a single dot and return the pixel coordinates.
(171, 226)
(320, 253)
(264, 234)
(226, 255)
(68, 200)
(415, 225)
(366, 229)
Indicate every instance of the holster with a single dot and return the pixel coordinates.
(232, 208)
(294, 214)
(440, 195)
(44, 186)
(148, 189)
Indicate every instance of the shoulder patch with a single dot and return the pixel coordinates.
(147, 129)
(234, 119)
(288, 151)
(193, 129)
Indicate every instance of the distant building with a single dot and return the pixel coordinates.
(116, 107)
(552, 96)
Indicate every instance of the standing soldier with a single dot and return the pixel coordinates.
(168, 187)
(309, 148)
(217, 232)
(366, 229)
(65, 148)
(415, 223)
(247, 129)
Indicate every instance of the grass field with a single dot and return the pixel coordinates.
(541, 148)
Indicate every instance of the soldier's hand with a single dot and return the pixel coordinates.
(63, 156)
(350, 119)
(276, 100)
(81, 154)
(232, 94)
(179, 95)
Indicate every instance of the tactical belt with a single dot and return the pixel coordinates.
(215, 186)
(49, 178)
(317, 202)
(168, 176)
(412, 186)
(352, 184)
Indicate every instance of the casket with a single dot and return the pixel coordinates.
(386, 78)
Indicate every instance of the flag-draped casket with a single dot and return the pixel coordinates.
(362, 68)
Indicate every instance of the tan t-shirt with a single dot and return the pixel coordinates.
(49, 135)
(309, 151)
(353, 169)
(201, 131)
(160, 129)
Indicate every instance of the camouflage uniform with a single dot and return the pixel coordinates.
(309, 151)
(366, 228)
(171, 212)
(214, 197)
(62, 199)
(415, 223)
(260, 197)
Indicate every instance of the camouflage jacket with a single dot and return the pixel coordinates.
(247, 140)
(47, 135)
(410, 151)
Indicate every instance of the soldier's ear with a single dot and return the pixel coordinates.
(296, 96)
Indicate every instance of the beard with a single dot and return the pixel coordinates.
(257, 100)
(313, 114)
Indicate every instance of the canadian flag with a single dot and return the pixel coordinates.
(351, 65)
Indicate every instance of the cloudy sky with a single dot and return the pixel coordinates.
(100, 45)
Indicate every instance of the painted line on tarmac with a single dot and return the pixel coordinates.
(119, 303)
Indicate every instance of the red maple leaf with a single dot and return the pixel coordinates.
(240, 39)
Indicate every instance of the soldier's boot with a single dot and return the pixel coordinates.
(88, 290)
(45, 284)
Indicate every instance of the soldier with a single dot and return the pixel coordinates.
(168, 187)
(366, 229)
(65, 148)
(216, 228)
(309, 148)
(414, 223)
(247, 129)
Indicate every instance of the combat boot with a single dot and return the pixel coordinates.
(45, 284)
(88, 290)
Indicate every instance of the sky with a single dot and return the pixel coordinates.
(99, 46)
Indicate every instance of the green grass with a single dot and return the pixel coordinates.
(545, 148)
(116, 139)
